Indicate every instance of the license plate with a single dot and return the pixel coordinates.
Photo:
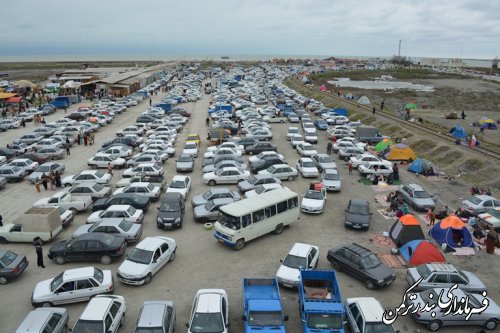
(356, 226)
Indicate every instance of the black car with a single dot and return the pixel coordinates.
(263, 164)
(135, 200)
(94, 246)
(362, 264)
(247, 141)
(127, 141)
(171, 212)
(11, 265)
(181, 112)
(218, 158)
(260, 147)
(357, 214)
(78, 116)
(8, 153)
(145, 119)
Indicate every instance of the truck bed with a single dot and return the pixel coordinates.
(260, 289)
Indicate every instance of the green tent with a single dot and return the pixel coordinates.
(382, 145)
(411, 105)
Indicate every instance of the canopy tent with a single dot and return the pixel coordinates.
(24, 84)
(421, 251)
(458, 132)
(71, 84)
(364, 100)
(405, 229)
(452, 232)
(400, 152)
(411, 105)
(4, 95)
(419, 166)
(383, 144)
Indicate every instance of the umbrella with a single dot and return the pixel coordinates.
(485, 120)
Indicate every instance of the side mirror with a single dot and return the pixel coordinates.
(244, 318)
(285, 318)
(187, 325)
(227, 325)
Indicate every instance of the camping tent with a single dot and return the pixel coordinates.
(383, 144)
(411, 105)
(364, 100)
(419, 166)
(490, 126)
(400, 152)
(323, 88)
(405, 229)
(341, 112)
(486, 120)
(443, 232)
(458, 132)
(420, 251)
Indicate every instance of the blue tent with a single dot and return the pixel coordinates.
(458, 132)
(444, 235)
(341, 111)
(418, 166)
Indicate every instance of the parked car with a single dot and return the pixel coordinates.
(132, 232)
(331, 180)
(41, 320)
(171, 212)
(362, 264)
(323, 162)
(264, 156)
(180, 184)
(36, 157)
(306, 149)
(12, 173)
(262, 189)
(478, 204)
(212, 194)
(96, 176)
(280, 171)
(346, 153)
(93, 246)
(54, 153)
(46, 168)
(150, 169)
(210, 210)
(265, 163)
(185, 163)
(210, 312)
(104, 160)
(375, 168)
(260, 147)
(104, 313)
(12, 265)
(491, 218)
(222, 164)
(141, 188)
(90, 189)
(134, 200)
(417, 197)
(227, 175)
(72, 285)
(307, 167)
(365, 315)
(358, 214)
(156, 316)
(25, 164)
(301, 256)
(358, 160)
(313, 202)
(254, 181)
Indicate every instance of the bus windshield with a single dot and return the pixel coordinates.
(229, 221)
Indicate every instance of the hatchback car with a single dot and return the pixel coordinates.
(301, 256)
(103, 314)
(96, 176)
(210, 312)
(125, 212)
(72, 285)
(357, 214)
(146, 259)
(11, 266)
(365, 315)
(116, 227)
(362, 264)
(313, 202)
(42, 320)
(93, 246)
(157, 317)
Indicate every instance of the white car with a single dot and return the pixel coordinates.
(301, 256)
(262, 189)
(361, 159)
(149, 169)
(264, 154)
(191, 148)
(307, 167)
(24, 164)
(346, 153)
(306, 149)
(337, 120)
(125, 212)
(11, 123)
(72, 285)
(121, 151)
(161, 147)
(64, 122)
(291, 132)
(144, 158)
(309, 128)
(210, 312)
(90, 189)
(296, 139)
(180, 184)
(331, 180)
(365, 314)
(375, 168)
(313, 202)
(344, 144)
(226, 175)
(227, 145)
(130, 130)
(146, 259)
(280, 171)
(138, 139)
(131, 232)
(141, 188)
(97, 176)
(361, 145)
(222, 152)
(312, 138)
(102, 160)
(103, 314)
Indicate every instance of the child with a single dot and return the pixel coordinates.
(432, 217)
(37, 185)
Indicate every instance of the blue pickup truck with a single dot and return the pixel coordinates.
(320, 302)
(262, 310)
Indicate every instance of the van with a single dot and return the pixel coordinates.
(41, 320)
(156, 316)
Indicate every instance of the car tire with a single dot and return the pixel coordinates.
(212, 182)
(279, 229)
(290, 178)
(434, 325)
(250, 152)
(240, 244)
(3, 240)
(3, 281)
(369, 285)
(60, 260)
(491, 324)
(105, 260)
(172, 256)
(336, 266)
(46, 305)
(122, 320)
(94, 166)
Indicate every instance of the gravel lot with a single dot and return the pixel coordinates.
(201, 262)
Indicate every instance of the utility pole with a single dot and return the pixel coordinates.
(399, 49)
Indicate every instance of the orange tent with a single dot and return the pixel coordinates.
(452, 221)
(409, 219)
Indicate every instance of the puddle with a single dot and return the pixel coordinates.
(380, 85)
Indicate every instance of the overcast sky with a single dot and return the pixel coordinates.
(433, 28)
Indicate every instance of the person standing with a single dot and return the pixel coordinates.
(463, 115)
(150, 101)
(45, 180)
(207, 121)
(350, 166)
(373, 111)
(37, 185)
(37, 242)
(23, 122)
(67, 145)
(382, 105)
(329, 147)
(78, 138)
(110, 169)
(491, 241)
(432, 217)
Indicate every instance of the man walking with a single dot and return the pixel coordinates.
(350, 167)
(373, 111)
(37, 242)
(329, 147)
(67, 145)
(382, 105)
(207, 121)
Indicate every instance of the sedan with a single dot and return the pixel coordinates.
(362, 264)
(96, 176)
(11, 266)
(116, 227)
(301, 256)
(313, 202)
(264, 155)
(93, 190)
(307, 167)
(357, 214)
(150, 169)
(331, 180)
(478, 204)
(180, 184)
(19, 148)
(262, 189)
(146, 259)
(254, 181)
(103, 160)
(210, 210)
(36, 157)
(185, 163)
(191, 148)
(141, 188)
(358, 160)
(55, 153)
(227, 175)
(25, 164)
(11, 123)
(306, 149)
(120, 151)
(46, 168)
(222, 164)
(281, 171)
(144, 158)
(134, 200)
(213, 318)
(323, 162)
(94, 246)
(12, 173)
(123, 212)
(215, 193)
(260, 147)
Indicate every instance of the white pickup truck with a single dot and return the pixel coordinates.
(66, 201)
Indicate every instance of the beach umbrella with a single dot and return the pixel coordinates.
(382, 145)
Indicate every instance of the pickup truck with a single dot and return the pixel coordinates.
(320, 302)
(369, 134)
(66, 201)
(35, 222)
(262, 309)
(159, 181)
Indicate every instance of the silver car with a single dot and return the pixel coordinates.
(212, 194)
(417, 197)
(184, 163)
(55, 153)
(210, 210)
(43, 320)
(12, 173)
(116, 227)
(156, 316)
(478, 204)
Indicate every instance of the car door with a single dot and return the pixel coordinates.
(93, 251)
(85, 289)
(166, 252)
(225, 311)
(66, 293)
(116, 312)
(353, 313)
(439, 280)
(156, 261)
(312, 258)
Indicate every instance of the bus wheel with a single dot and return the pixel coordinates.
(240, 243)
(279, 229)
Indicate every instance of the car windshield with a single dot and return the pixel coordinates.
(379, 327)
(207, 323)
(260, 189)
(85, 326)
(294, 261)
(370, 261)
(150, 187)
(125, 225)
(494, 213)
(293, 130)
(209, 205)
(420, 194)
(98, 275)
(271, 169)
(184, 158)
(56, 282)
(358, 209)
(475, 200)
(140, 256)
(307, 147)
(167, 206)
(229, 221)
(97, 187)
(331, 176)
(99, 173)
(190, 146)
(252, 180)
(424, 271)
(308, 164)
(325, 321)
(316, 195)
(325, 159)
(265, 318)
(207, 195)
(177, 184)
(60, 210)
(7, 258)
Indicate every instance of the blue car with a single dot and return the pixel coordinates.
(321, 124)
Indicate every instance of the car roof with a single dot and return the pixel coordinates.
(146, 164)
(333, 171)
(483, 197)
(300, 249)
(441, 267)
(359, 202)
(209, 300)
(88, 172)
(118, 207)
(370, 307)
(150, 243)
(172, 196)
(358, 249)
(97, 307)
(415, 186)
(178, 177)
(219, 190)
(111, 222)
(222, 201)
(152, 313)
(35, 320)
(305, 159)
(71, 274)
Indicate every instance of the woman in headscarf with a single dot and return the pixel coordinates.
(491, 240)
